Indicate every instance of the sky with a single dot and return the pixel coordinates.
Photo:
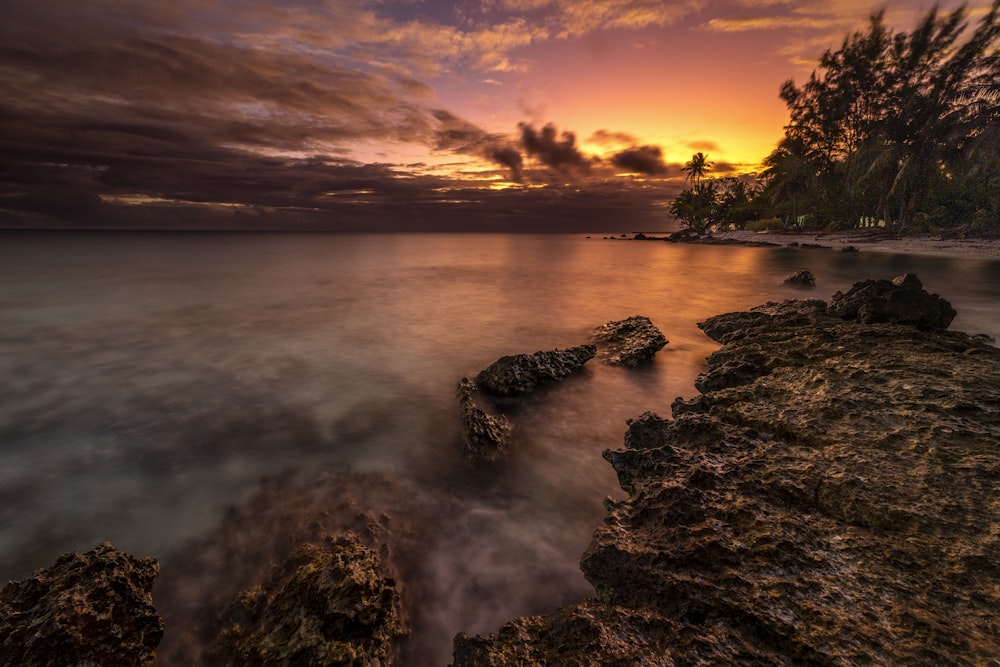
(383, 115)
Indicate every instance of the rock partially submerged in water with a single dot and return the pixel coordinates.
(518, 374)
(629, 342)
(486, 431)
(831, 499)
(94, 608)
(901, 300)
(484, 435)
(802, 278)
(326, 605)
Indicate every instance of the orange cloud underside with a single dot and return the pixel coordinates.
(668, 93)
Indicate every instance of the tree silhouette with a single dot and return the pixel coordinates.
(902, 127)
(697, 167)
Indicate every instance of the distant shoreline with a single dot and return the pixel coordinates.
(925, 244)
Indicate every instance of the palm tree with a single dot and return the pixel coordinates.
(697, 167)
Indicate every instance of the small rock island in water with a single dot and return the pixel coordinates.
(831, 497)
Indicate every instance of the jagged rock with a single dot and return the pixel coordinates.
(484, 436)
(831, 500)
(322, 606)
(87, 609)
(519, 374)
(629, 342)
(801, 278)
(901, 300)
(849, 248)
(722, 328)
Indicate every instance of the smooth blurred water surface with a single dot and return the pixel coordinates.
(148, 381)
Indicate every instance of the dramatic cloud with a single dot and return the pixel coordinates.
(322, 113)
(509, 158)
(558, 152)
(641, 160)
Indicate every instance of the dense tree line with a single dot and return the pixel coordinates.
(900, 129)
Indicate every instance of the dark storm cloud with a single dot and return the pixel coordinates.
(510, 158)
(641, 160)
(177, 114)
(553, 150)
(725, 168)
(457, 134)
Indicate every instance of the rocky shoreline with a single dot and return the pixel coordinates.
(863, 240)
(831, 496)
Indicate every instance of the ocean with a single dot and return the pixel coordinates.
(153, 384)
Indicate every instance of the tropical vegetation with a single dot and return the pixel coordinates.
(893, 129)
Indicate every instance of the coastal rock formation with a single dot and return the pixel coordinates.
(629, 342)
(833, 498)
(87, 609)
(901, 300)
(801, 278)
(199, 583)
(519, 374)
(322, 606)
(484, 435)
(691, 236)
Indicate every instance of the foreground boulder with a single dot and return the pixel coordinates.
(484, 436)
(901, 300)
(87, 609)
(519, 374)
(832, 498)
(629, 342)
(323, 606)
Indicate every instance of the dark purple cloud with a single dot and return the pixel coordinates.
(642, 160)
(552, 149)
(510, 158)
(209, 119)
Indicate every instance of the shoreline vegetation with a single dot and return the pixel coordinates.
(895, 131)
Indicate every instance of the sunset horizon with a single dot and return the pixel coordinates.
(511, 115)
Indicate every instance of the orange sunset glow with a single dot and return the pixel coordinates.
(482, 114)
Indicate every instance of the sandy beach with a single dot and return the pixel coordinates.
(866, 242)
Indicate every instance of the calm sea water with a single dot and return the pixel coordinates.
(150, 381)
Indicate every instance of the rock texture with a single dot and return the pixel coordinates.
(519, 374)
(323, 606)
(629, 342)
(832, 498)
(801, 278)
(87, 609)
(901, 300)
(485, 430)
(484, 435)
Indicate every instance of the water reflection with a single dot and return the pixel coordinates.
(148, 382)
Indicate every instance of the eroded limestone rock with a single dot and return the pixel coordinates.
(629, 342)
(94, 608)
(518, 374)
(901, 301)
(327, 605)
(484, 435)
(801, 278)
(831, 499)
